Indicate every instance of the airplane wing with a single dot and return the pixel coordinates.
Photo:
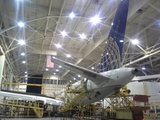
(91, 75)
(33, 97)
(145, 78)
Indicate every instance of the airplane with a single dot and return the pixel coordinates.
(110, 77)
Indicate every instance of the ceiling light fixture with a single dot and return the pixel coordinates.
(92, 68)
(143, 68)
(58, 45)
(21, 24)
(83, 36)
(63, 33)
(23, 62)
(79, 75)
(95, 20)
(26, 72)
(57, 70)
(46, 69)
(71, 15)
(68, 55)
(60, 66)
(21, 42)
(135, 41)
(23, 54)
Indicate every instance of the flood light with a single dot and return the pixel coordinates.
(83, 36)
(71, 15)
(23, 62)
(63, 33)
(20, 24)
(143, 68)
(23, 54)
(58, 45)
(135, 41)
(95, 20)
(21, 42)
(92, 68)
(68, 55)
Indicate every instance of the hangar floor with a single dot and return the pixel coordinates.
(53, 118)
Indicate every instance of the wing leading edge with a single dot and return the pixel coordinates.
(91, 75)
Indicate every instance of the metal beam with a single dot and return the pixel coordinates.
(142, 58)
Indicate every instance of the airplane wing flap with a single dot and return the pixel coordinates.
(145, 78)
(91, 75)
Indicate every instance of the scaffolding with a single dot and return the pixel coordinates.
(73, 97)
(21, 108)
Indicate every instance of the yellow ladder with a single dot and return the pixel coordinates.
(70, 104)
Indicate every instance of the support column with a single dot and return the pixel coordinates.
(9, 87)
(2, 61)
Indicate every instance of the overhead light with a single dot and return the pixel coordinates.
(57, 70)
(92, 68)
(68, 55)
(53, 57)
(21, 24)
(95, 20)
(21, 42)
(121, 41)
(135, 41)
(46, 69)
(71, 15)
(63, 33)
(26, 72)
(143, 68)
(58, 45)
(106, 42)
(26, 75)
(79, 75)
(23, 62)
(60, 66)
(112, 23)
(74, 78)
(83, 36)
(54, 73)
(23, 54)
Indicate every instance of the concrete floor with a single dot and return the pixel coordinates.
(38, 118)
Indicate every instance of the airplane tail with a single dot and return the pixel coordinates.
(112, 55)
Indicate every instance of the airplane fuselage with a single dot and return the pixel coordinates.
(117, 79)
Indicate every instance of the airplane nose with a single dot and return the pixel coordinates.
(134, 71)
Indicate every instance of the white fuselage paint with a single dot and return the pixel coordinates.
(117, 79)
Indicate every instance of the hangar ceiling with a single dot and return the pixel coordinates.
(46, 20)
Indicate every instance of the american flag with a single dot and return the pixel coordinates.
(49, 64)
